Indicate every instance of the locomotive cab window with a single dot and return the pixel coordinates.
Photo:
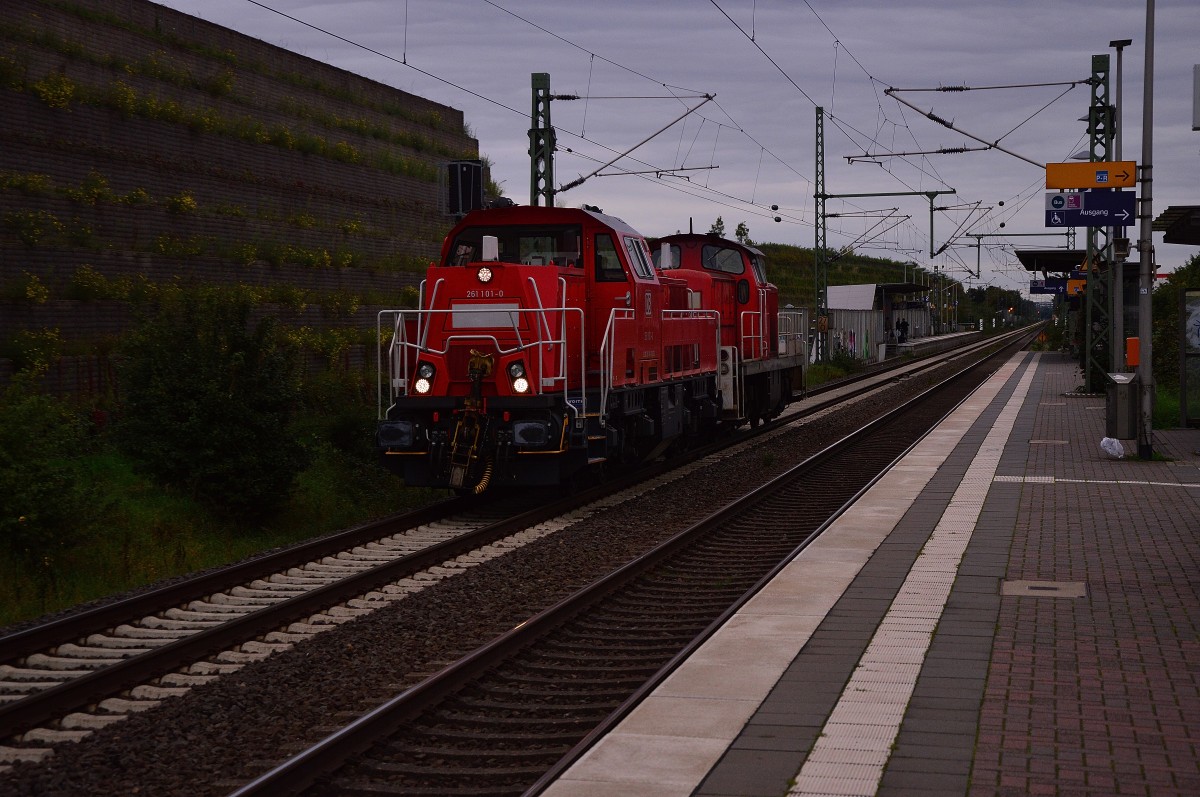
(676, 257)
(608, 262)
(530, 246)
(760, 268)
(719, 258)
(639, 257)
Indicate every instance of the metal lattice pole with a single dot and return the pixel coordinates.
(1098, 334)
(820, 264)
(541, 144)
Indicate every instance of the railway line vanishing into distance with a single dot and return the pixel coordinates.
(511, 679)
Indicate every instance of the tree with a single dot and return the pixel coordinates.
(1165, 314)
(742, 233)
(207, 403)
(718, 227)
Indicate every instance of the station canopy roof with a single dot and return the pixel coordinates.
(1180, 224)
(862, 296)
(904, 287)
(1053, 261)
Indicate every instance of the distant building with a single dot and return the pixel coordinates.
(864, 316)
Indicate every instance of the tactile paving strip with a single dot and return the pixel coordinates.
(836, 764)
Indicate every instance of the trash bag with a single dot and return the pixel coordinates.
(1112, 447)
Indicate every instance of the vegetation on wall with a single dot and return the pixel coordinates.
(215, 448)
(207, 398)
(227, 432)
(43, 228)
(221, 82)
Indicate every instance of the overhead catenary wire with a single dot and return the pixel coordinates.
(1068, 83)
(456, 86)
(671, 124)
(392, 58)
(951, 126)
(404, 62)
(702, 189)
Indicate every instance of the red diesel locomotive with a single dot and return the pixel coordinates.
(549, 341)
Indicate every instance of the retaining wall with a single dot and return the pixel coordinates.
(146, 144)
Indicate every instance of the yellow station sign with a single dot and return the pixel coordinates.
(1092, 174)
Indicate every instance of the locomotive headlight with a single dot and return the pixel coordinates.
(516, 373)
(484, 274)
(424, 382)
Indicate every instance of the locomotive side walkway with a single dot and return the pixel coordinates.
(1007, 611)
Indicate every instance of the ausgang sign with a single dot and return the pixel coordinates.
(1092, 174)
(1090, 209)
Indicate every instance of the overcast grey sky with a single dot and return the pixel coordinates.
(642, 65)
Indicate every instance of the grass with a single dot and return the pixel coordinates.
(142, 533)
(1166, 408)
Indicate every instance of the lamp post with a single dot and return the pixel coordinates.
(1146, 251)
(1119, 252)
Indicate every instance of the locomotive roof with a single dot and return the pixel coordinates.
(529, 214)
(713, 238)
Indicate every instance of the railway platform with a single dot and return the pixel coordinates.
(1007, 611)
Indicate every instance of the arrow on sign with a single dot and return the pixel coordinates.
(1090, 209)
(1092, 174)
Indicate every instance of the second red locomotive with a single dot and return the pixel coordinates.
(548, 341)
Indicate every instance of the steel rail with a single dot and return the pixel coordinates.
(42, 706)
(1013, 342)
(304, 768)
(30, 640)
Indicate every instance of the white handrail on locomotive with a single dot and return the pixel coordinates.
(606, 354)
(792, 333)
(424, 332)
(608, 339)
(793, 330)
(683, 315)
(562, 364)
(754, 343)
(401, 347)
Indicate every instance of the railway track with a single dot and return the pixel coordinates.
(210, 628)
(510, 716)
(125, 657)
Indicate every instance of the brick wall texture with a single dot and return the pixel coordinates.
(141, 145)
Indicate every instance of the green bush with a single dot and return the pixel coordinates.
(44, 501)
(87, 284)
(33, 351)
(32, 226)
(208, 403)
(56, 90)
(92, 191)
(1167, 323)
(181, 204)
